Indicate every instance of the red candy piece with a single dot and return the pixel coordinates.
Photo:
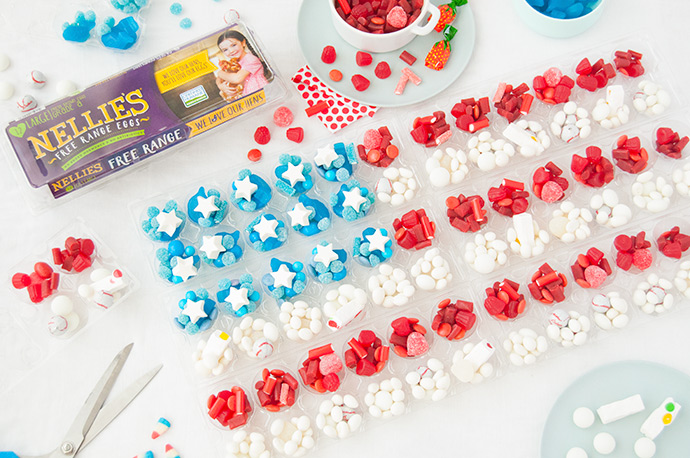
(408, 58)
(593, 170)
(319, 370)
(590, 270)
(276, 390)
(671, 243)
(372, 16)
(512, 102)
(408, 337)
(471, 114)
(548, 285)
(669, 143)
(628, 63)
(363, 58)
(629, 155)
(553, 87)
(283, 117)
(593, 77)
(328, 55)
(43, 270)
(633, 251)
(397, 17)
(547, 183)
(414, 230)
(20, 280)
(367, 355)
(229, 408)
(360, 82)
(431, 131)
(254, 155)
(503, 300)
(377, 148)
(466, 213)
(416, 344)
(295, 134)
(382, 70)
(453, 321)
(262, 135)
(510, 198)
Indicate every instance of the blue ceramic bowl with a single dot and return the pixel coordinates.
(557, 28)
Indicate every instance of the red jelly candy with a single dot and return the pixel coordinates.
(328, 55)
(295, 134)
(43, 270)
(262, 135)
(20, 280)
(360, 82)
(254, 155)
(382, 70)
(363, 58)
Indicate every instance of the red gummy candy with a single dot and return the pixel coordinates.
(331, 382)
(262, 135)
(551, 192)
(328, 55)
(372, 139)
(401, 326)
(382, 70)
(295, 134)
(330, 364)
(43, 270)
(363, 58)
(360, 82)
(595, 276)
(416, 344)
(642, 259)
(20, 280)
(254, 155)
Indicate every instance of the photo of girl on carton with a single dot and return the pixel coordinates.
(243, 72)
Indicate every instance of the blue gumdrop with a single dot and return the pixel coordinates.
(170, 206)
(320, 268)
(224, 283)
(183, 319)
(325, 278)
(299, 286)
(152, 212)
(374, 260)
(324, 223)
(89, 16)
(342, 175)
(186, 23)
(164, 272)
(349, 214)
(285, 188)
(123, 35)
(192, 328)
(246, 278)
(338, 162)
(336, 266)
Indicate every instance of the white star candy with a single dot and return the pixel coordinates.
(212, 246)
(237, 298)
(184, 268)
(325, 157)
(206, 206)
(325, 254)
(354, 199)
(294, 173)
(282, 277)
(244, 189)
(299, 215)
(377, 241)
(194, 310)
(168, 222)
(266, 228)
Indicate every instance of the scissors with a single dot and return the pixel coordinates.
(94, 416)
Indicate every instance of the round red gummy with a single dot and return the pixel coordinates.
(551, 192)
(262, 135)
(372, 139)
(642, 259)
(254, 155)
(595, 276)
(331, 382)
(382, 70)
(397, 17)
(330, 364)
(416, 344)
(328, 55)
(42, 269)
(283, 117)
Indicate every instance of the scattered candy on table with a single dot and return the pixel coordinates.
(408, 58)
(629, 155)
(338, 416)
(363, 59)
(256, 337)
(471, 363)
(431, 271)
(583, 417)
(80, 30)
(509, 198)
(669, 143)
(604, 443)
(285, 280)
(569, 223)
(170, 452)
(629, 63)
(486, 253)
(261, 135)
(645, 447)
(414, 229)
(385, 399)
(382, 70)
(276, 390)
(175, 9)
(470, 114)
(367, 355)
(283, 117)
(390, 287)
(447, 166)
(343, 305)
(408, 338)
(197, 312)
(105, 287)
(525, 238)
(327, 265)
(238, 297)
(406, 75)
(593, 77)
(439, 53)
(653, 295)
(454, 321)
(429, 381)
(608, 209)
(249, 192)
(651, 99)
(221, 249)
(504, 301)
(300, 321)
(229, 408)
(122, 35)
(529, 136)
(681, 178)
(163, 225)
(547, 285)
(568, 328)
(295, 134)
(612, 111)
(488, 153)
(27, 103)
(206, 208)
(466, 214)
(178, 263)
(248, 445)
(293, 175)
(591, 270)
(65, 319)
(431, 131)
(266, 232)
(525, 346)
(633, 250)
(37, 79)
(571, 122)
(512, 102)
(548, 184)
(212, 357)
(682, 279)
(553, 87)
(39, 284)
(397, 186)
(309, 216)
(294, 437)
(610, 311)
(335, 163)
(373, 247)
(328, 54)
(320, 370)
(651, 194)
(377, 148)
(673, 243)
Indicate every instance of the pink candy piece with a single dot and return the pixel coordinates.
(553, 76)
(642, 259)
(372, 139)
(416, 344)
(330, 364)
(402, 82)
(283, 117)
(551, 192)
(397, 17)
(595, 276)
(416, 80)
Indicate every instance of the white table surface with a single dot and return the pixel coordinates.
(503, 418)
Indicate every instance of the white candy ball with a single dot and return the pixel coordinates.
(604, 443)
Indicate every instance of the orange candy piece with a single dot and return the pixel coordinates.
(335, 75)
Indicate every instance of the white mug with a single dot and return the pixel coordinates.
(385, 42)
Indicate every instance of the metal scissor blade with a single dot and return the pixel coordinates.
(81, 425)
(117, 405)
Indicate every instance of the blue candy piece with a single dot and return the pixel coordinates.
(122, 35)
(128, 6)
(365, 200)
(204, 201)
(319, 219)
(334, 271)
(231, 302)
(343, 159)
(176, 8)
(80, 30)
(260, 196)
(231, 253)
(178, 263)
(575, 10)
(286, 280)
(197, 312)
(297, 180)
(271, 242)
(151, 224)
(361, 247)
(186, 23)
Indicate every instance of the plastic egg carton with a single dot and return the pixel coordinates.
(467, 284)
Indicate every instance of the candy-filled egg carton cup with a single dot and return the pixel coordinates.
(69, 280)
(484, 269)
